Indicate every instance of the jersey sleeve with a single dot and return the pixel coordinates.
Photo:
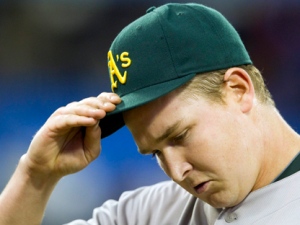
(162, 203)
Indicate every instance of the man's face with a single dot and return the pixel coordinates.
(208, 149)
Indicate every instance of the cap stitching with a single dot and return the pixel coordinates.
(167, 41)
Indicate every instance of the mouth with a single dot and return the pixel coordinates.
(202, 187)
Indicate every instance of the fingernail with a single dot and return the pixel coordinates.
(114, 98)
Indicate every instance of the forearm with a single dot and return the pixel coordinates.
(24, 199)
(59, 148)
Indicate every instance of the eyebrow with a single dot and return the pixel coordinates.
(171, 129)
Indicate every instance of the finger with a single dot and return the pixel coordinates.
(64, 123)
(88, 105)
(82, 110)
(100, 100)
(95, 103)
(111, 97)
(92, 101)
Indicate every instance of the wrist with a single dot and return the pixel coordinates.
(36, 175)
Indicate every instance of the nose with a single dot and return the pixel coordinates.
(175, 165)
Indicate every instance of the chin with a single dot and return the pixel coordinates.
(218, 201)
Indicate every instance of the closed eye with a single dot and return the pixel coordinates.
(178, 139)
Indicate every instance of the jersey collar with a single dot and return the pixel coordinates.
(292, 168)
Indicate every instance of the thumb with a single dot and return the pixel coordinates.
(92, 136)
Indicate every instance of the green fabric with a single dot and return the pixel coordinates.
(164, 49)
(292, 168)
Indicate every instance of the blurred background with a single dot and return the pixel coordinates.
(55, 52)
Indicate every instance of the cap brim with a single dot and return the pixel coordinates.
(113, 121)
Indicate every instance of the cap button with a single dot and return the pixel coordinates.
(150, 9)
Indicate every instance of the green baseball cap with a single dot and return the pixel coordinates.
(164, 49)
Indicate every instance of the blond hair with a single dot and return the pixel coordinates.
(210, 85)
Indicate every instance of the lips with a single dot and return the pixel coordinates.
(200, 188)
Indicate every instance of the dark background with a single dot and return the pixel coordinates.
(55, 52)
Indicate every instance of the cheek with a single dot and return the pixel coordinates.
(226, 153)
(216, 147)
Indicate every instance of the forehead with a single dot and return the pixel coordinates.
(151, 122)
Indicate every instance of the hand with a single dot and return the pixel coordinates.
(70, 138)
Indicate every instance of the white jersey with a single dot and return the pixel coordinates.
(167, 203)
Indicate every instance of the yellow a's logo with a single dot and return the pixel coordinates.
(113, 68)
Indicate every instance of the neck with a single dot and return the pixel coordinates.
(280, 145)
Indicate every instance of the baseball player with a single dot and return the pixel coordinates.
(185, 86)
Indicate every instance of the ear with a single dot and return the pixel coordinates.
(239, 87)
